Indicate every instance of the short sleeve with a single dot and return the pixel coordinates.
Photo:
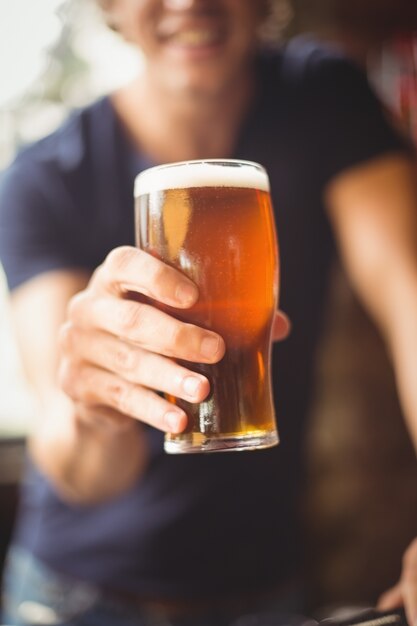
(28, 236)
(37, 217)
(343, 123)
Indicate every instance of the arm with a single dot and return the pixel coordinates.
(374, 211)
(373, 208)
(86, 459)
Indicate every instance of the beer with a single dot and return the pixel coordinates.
(213, 220)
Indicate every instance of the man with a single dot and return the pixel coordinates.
(107, 519)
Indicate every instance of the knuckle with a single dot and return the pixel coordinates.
(120, 258)
(178, 336)
(125, 359)
(119, 394)
(131, 315)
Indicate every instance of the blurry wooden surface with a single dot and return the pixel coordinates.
(361, 510)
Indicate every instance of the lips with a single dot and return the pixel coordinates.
(197, 33)
(195, 37)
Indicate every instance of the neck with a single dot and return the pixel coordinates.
(176, 126)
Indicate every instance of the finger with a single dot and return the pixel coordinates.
(130, 269)
(133, 364)
(391, 599)
(91, 386)
(281, 326)
(147, 327)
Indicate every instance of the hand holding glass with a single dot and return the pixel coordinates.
(213, 221)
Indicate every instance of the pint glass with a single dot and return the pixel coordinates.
(213, 221)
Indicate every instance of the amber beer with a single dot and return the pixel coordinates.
(213, 220)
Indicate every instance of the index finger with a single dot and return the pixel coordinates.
(129, 269)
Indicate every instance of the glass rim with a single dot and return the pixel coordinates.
(208, 161)
(256, 171)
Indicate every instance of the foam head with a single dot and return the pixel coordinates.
(209, 173)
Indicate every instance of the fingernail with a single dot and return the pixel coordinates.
(185, 293)
(209, 346)
(191, 385)
(173, 420)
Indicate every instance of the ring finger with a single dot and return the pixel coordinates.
(135, 364)
(91, 386)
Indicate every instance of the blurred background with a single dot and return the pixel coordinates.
(63, 57)
(360, 509)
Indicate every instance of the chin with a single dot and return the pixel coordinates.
(198, 81)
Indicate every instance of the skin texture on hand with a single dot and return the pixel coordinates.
(117, 352)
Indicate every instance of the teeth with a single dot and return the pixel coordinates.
(195, 37)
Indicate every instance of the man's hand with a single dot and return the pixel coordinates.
(405, 591)
(116, 353)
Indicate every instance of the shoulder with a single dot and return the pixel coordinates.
(45, 195)
(333, 119)
(322, 87)
(64, 150)
(51, 175)
(55, 173)
(307, 65)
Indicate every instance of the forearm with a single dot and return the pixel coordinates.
(87, 460)
(400, 331)
(374, 211)
(389, 292)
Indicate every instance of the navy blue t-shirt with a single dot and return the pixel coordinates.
(196, 525)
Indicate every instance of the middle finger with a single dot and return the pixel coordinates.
(134, 364)
(147, 327)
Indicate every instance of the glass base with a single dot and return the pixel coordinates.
(198, 442)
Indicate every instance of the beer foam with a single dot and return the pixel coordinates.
(202, 174)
